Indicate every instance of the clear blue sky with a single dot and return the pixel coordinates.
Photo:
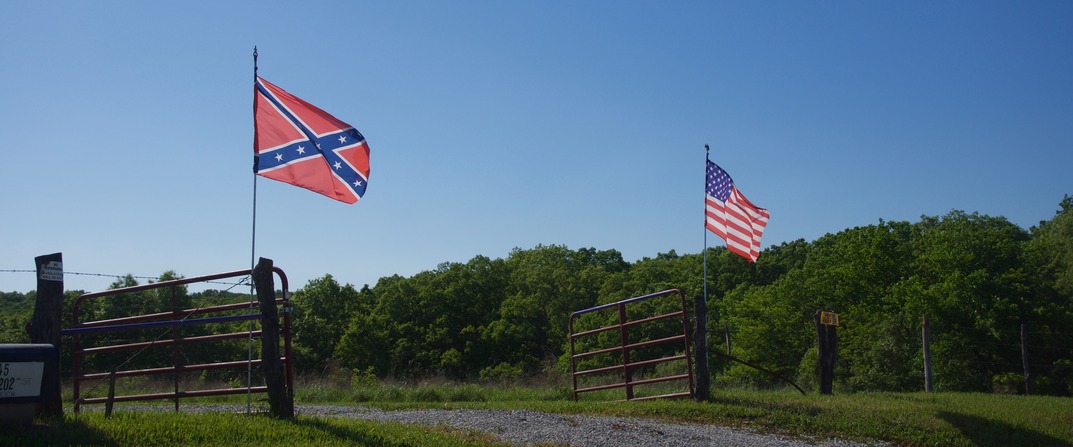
(127, 126)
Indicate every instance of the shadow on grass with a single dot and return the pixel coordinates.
(985, 432)
(351, 435)
(53, 432)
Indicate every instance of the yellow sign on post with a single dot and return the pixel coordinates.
(828, 318)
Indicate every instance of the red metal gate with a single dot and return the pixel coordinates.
(174, 320)
(623, 347)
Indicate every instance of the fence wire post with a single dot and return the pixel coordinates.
(926, 335)
(279, 399)
(1029, 381)
(44, 328)
(111, 395)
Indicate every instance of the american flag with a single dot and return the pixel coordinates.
(731, 216)
(295, 142)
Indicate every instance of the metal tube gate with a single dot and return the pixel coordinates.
(175, 319)
(624, 347)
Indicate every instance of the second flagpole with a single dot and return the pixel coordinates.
(253, 264)
(700, 309)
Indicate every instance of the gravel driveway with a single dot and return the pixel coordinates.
(529, 428)
(526, 428)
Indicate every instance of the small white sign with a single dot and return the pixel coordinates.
(53, 271)
(20, 379)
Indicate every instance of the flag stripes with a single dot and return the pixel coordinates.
(731, 216)
(300, 144)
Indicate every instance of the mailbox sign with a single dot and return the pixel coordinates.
(53, 271)
(828, 318)
(20, 379)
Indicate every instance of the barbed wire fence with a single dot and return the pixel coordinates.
(111, 275)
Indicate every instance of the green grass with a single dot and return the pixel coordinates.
(944, 419)
(940, 419)
(225, 429)
(948, 419)
(426, 392)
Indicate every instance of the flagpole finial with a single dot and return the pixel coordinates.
(255, 61)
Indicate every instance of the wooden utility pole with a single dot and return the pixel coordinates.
(925, 330)
(279, 399)
(44, 328)
(828, 349)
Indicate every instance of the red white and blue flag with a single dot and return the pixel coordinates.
(731, 216)
(295, 142)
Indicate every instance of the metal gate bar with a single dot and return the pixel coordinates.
(625, 347)
(175, 319)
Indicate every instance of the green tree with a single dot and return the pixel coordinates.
(978, 277)
(1049, 259)
(1050, 252)
(546, 285)
(770, 327)
(18, 308)
(322, 310)
(977, 293)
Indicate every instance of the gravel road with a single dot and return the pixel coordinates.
(526, 428)
(529, 428)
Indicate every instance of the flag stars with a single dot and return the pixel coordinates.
(719, 182)
(278, 132)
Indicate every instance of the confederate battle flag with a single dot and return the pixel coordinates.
(295, 142)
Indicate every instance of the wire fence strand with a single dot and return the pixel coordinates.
(110, 275)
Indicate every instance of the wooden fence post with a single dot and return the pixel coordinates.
(828, 353)
(110, 403)
(700, 348)
(925, 330)
(279, 400)
(1029, 381)
(44, 328)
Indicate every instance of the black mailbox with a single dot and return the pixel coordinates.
(21, 370)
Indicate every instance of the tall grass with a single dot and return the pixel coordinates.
(319, 390)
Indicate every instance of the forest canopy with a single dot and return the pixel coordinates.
(979, 278)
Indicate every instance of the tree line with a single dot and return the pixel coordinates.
(977, 277)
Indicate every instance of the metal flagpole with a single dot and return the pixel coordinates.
(703, 392)
(705, 227)
(253, 260)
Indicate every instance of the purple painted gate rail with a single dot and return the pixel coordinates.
(625, 346)
(174, 319)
